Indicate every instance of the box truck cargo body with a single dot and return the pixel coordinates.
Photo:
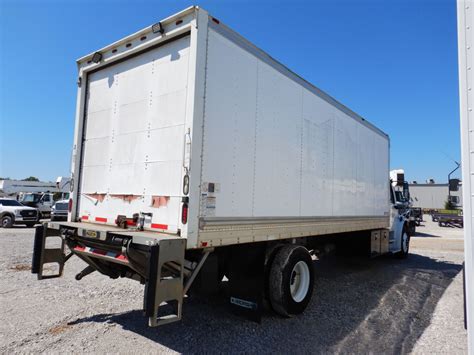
(187, 132)
(265, 146)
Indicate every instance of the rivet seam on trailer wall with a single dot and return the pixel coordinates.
(245, 44)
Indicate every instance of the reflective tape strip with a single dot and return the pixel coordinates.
(159, 226)
(101, 219)
(99, 251)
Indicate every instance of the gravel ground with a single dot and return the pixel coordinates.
(384, 305)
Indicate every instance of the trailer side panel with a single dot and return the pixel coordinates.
(279, 157)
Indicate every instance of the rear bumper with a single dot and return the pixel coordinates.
(105, 234)
(154, 259)
(111, 250)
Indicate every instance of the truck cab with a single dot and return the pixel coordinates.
(401, 198)
(41, 201)
(399, 223)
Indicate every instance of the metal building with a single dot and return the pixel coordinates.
(434, 196)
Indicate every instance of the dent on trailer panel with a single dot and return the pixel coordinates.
(317, 156)
(365, 168)
(345, 150)
(381, 183)
(278, 141)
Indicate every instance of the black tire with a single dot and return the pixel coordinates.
(7, 221)
(282, 275)
(404, 248)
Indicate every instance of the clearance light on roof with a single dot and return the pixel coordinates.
(157, 28)
(97, 57)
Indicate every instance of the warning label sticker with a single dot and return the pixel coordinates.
(208, 205)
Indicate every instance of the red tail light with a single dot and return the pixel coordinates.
(69, 206)
(184, 213)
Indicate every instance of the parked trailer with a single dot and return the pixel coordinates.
(197, 155)
(435, 214)
(401, 189)
(445, 220)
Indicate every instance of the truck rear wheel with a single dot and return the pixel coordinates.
(291, 280)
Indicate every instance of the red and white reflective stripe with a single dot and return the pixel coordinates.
(121, 257)
(110, 254)
(159, 226)
(101, 219)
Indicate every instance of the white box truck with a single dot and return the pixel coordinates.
(198, 156)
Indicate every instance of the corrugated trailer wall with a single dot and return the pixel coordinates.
(274, 148)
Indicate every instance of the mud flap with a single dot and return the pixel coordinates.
(247, 280)
(43, 255)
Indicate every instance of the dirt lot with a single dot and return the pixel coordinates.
(382, 306)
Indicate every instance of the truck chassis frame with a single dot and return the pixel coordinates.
(161, 262)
